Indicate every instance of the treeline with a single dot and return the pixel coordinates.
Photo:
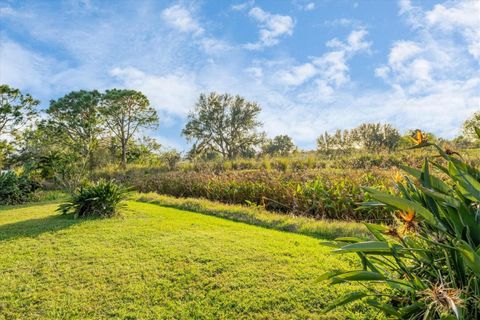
(85, 130)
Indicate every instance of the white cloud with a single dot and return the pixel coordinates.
(309, 6)
(462, 17)
(331, 67)
(298, 75)
(272, 28)
(171, 94)
(401, 51)
(181, 18)
(243, 5)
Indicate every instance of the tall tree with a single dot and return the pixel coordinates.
(125, 111)
(224, 124)
(76, 115)
(15, 109)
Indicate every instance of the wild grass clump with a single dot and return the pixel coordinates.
(430, 261)
(16, 189)
(99, 199)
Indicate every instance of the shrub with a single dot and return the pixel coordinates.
(15, 189)
(430, 261)
(100, 199)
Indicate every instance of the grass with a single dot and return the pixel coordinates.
(255, 215)
(161, 263)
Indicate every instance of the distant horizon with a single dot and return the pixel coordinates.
(313, 66)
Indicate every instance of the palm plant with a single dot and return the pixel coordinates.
(430, 260)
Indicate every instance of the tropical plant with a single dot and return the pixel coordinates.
(99, 199)
(429, 261)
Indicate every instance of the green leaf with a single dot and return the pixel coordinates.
(376, 230)
(350, 239)
(404, 204)
(477, 131)
(344, 300)
(366, 247)
(436, 183)
(387, 309)
(329, 274)
(468, 186)
(359, 275)
(450, 201)
(471, 258)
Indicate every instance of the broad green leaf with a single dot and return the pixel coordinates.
(472, 259)
(329, 274)
(388, 309)
(404, 204)
(350, 239)
(359, 275)
(468, 186)
(437, 183)
(344, 300)
(449, 200)
(376, 230)
(366, 247)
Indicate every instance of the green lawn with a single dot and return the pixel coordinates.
(160, 263)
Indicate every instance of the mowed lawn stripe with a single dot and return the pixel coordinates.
(160, 263)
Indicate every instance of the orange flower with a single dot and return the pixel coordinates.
(409, 223)
(398, 177)
(419, 137)
(408, 216)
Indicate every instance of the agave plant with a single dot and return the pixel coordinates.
(429, 261)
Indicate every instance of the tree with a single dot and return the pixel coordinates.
(15, 109)
(125, 111)
(76, 115)
(280, 145)
(340, 141)
(375, 136)
(469, 125)
(224, 124)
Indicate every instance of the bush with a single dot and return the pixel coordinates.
(100, 199)
(15, 189)
(430, 261)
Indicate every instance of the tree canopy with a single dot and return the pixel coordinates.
(280, 145)
(76, 115)
(15, 109)
(124, 112)
(224, 124)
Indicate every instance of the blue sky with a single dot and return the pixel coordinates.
(312, 65)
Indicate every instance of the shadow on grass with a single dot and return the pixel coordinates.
(35, 227)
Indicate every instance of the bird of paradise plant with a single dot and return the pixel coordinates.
(430, 260)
